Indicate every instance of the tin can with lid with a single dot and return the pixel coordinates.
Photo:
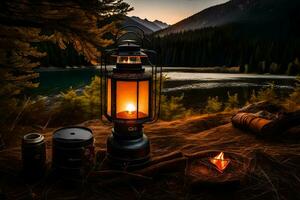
(33, 155)
(73, 151)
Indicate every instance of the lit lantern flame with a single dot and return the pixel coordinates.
(219, 161)
(130, 108)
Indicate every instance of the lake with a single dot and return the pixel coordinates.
(196, 87)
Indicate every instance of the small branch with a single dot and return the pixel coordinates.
(19, 115)
(166, 166)
(170, 156)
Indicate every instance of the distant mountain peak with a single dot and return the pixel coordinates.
(147, 25)
(163, 25)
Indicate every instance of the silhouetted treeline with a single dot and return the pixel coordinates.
(254, 48)
(60, 57)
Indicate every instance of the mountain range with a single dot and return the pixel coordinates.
(261, 36)
(147, 26)
(253, 12)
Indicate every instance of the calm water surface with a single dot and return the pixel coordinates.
(196, 87)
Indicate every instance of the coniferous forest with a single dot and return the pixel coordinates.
(254, 49)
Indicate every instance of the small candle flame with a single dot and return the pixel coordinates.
(130, 108)
(220, 156)
(220, 162)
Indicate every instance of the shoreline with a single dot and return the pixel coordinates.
(208, 70)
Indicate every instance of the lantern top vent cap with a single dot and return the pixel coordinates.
(128, 42)
(129, 48)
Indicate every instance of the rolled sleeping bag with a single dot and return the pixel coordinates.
(250, 122)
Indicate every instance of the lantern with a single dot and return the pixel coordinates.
(130, 99)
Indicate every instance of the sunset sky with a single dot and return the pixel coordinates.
(169, 11)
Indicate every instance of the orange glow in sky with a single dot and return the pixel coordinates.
(169, 11)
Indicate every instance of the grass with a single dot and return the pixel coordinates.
(268, 94)
(265, 170)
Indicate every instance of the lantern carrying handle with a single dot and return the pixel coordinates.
(141, 38)
(157, 80)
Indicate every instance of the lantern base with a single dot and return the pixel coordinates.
(128, 154)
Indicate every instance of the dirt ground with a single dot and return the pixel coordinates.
(260, 168)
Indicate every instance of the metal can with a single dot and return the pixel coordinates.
(33, 155)
(73, 151)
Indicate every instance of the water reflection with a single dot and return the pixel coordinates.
(197, 87)
(179, 76)
(228, 85)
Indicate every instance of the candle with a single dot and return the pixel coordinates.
(130, 108)
(220, 162)
(130, 113)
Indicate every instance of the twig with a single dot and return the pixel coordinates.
(259, 195)
(271, 183)
(167, 166)
(138, 194)
(47, 190)
(109, 173)
(170, 156)
(68, 198)
(19, 115)
(47, 123)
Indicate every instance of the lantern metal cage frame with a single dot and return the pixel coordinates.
(155, 80)
(128, 146)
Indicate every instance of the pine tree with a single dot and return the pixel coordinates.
(84, 24)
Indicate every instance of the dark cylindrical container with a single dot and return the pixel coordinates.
(33, 155)
(73, 151)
